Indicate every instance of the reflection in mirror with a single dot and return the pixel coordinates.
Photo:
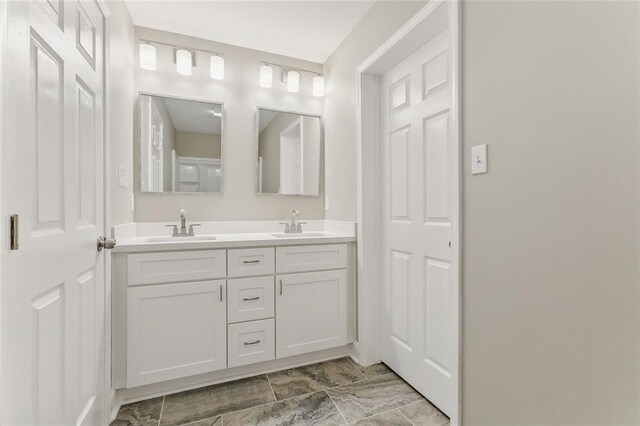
(288, 153)
(181, 145)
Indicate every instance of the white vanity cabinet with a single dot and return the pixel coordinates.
(194, 311)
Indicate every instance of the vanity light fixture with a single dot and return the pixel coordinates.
(318, 85)
(147, 54)
(266, 75)
(216, 67)
(184, 62)
(293, 81)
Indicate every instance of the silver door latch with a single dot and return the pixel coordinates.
(106, 243)
(13, 232)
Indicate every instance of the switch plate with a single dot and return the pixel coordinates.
(123, 176)
(132, 202)
(326, 203)
(479, 159)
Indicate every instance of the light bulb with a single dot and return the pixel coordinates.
(147, 56)
(293, 81)
(318, 85)
(183, 62)
(266, 76)
(216, 67)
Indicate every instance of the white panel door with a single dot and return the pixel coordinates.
(53, 337)
(417, 157)
(311, 312)
(175, 330)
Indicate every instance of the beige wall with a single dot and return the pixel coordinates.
(380, 23)
(550, 236)
(121, 66)
(200, 145)
(241, 95)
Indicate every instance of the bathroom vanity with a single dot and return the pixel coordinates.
(224, 300)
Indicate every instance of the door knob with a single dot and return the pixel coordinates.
(106, 243)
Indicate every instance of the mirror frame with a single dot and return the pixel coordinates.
(138, 148)
(257, 147)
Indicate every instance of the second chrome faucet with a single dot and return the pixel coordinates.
(293, 226)
(182, 232)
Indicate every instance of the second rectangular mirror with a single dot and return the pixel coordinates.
(180, 145)
(288, 150)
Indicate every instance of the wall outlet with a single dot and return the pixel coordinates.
(123, 176)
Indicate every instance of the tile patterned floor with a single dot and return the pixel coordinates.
(335, 392)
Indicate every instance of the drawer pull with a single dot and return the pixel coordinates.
(221, 292)
(280, 287)
(246, 262)
(255, 342)
(247, 299)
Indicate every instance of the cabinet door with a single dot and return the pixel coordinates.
(175, 330)
(311, 312)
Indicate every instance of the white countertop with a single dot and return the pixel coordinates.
(145, 237)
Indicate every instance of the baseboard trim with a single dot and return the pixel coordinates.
(126, 396)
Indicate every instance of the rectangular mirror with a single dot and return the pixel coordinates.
(288, 150)
(180, 145)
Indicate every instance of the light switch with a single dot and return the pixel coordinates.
(326, 203)
(479, 159)
(132, 202)
(123, 176)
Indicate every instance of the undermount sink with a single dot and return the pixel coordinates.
(179, 239)
(298, 234)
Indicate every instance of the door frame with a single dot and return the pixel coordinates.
(399, 46)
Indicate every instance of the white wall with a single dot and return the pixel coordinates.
(121, 69)
(550, 236)
(241, 95)
(379, 23)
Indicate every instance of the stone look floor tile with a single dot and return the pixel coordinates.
(424, 414)
(313, 378)
(313, 409)
(211, 401)
(143, 413)
(375, 370)
(216, 421)
(373, 396)
(390, 418)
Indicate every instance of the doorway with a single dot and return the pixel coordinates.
(409, 205)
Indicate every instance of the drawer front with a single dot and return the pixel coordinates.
(250, 299)
(310, 258)
(166, 267)
(251, 262)
(251, 342)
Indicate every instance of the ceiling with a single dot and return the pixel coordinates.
(309, 30)
(194, 117)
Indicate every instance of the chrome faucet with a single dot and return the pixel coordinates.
(183, 227)
(293, 227)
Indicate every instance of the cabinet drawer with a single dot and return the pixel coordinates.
(310, 258)
(165, 267)
(251, 342)
(250, 298)
(250, 262)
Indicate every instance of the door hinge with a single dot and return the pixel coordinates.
(13, 232)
